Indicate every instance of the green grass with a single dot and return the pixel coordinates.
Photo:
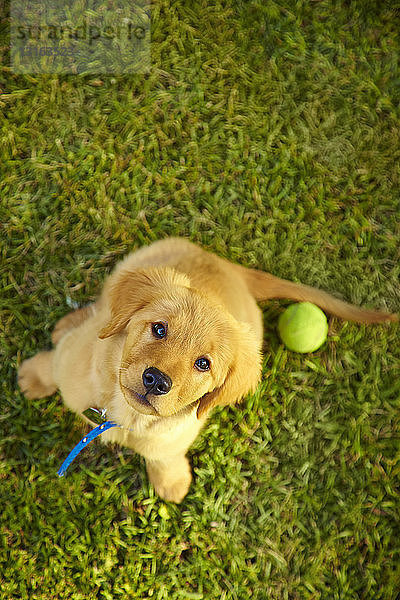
(268, 132)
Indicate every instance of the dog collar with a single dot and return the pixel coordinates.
(96, 416)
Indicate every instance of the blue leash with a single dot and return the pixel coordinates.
(97, 416)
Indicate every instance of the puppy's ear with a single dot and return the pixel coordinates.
(128, 291)
(243, 374)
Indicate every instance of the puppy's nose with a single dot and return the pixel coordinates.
(156, 382)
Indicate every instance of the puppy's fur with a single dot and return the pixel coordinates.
(207, 307)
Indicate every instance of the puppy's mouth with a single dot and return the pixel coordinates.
(138, 401)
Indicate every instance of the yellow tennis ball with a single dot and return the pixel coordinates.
(303, 327)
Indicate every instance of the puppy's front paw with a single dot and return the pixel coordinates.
(34, 377)
(171, 482)
(174, 492)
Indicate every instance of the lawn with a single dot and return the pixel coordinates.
(268, 132)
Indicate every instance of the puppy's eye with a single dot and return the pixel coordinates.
(202, 364)
(159, 330)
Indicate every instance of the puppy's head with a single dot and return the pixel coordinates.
(181, 348)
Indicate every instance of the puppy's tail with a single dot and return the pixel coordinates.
(264, 286)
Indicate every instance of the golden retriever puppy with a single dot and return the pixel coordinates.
(175, 332)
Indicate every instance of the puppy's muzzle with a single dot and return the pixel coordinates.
(156, 382)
